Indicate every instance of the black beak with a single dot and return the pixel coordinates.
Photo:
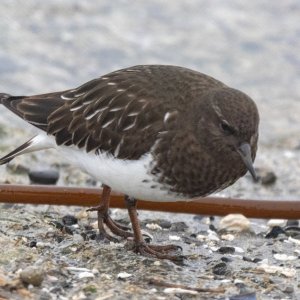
(245, 152)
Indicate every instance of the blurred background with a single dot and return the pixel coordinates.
(250, 45)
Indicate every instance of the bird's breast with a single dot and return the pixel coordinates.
(189, 169)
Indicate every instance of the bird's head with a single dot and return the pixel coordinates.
(229, 127)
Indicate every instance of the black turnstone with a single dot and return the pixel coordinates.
(152, 132)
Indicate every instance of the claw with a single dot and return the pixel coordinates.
(106, 238)
(138, 242)
(165, 248)
(95, 208)
(153, 251)
(116, 229)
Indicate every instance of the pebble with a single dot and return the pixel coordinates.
(293, 231)
(190, 240)
(57, 224)
(276, 222)
(220, 269)
(246, 296)
(32, 243)
(147, 236)
(239, 250)
(75, 269)
(228, 237)
(226, 250)
(297, 251)
(201, 237)
(179, 226)
(51, 278)
(268, 178)
(212, 236)
(275, 231)
(85, 275)
(250, 259)
(292, 223)
(289, 154)
(69, 220)
(174, 238)
(45, 295)
(32, 275)
(179, 291)
(236, 256)
(17, 168)
(214, 248)
(94, 225)
(289, 289)
(68, 230)
(123, 275)
(105, 276)
(226, 259)
(89, 235)
(77, 238)
(206, 220)
(212, 227)
(284, 257)
(43, 176)
(153, 226)
(234, 223)
(198, 217)
(238, 281)
(43, 244)
(272, 269)
(165, 224)
(225, 281)
(296, 241)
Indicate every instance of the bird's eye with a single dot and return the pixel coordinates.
(226, 128)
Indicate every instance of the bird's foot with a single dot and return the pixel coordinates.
(103, 218)
(106, 238)
(121, 226)
(165, 248)
(117, 228)
(103, 236)
(158, 251)
(97, 208)
(124, 231)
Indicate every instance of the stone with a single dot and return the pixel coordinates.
(32, 275)
(234, 223)
(268, 178)
(69, 220)
(43, 176)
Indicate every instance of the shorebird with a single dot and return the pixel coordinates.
(151, 132)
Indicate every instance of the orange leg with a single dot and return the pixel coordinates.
(140, 246)
(104, 218)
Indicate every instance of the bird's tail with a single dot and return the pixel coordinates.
(38, 142)
(3, 97)
(18, 151)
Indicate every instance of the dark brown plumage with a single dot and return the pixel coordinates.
(201, 135)
(130, 105)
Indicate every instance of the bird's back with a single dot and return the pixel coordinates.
(120, 113)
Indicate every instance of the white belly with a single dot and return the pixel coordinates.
(124, 176)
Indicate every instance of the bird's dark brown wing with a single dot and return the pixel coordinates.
(114, 114)
(33, 109)
(120, 113)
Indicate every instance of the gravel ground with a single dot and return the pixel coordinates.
(253, 46)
